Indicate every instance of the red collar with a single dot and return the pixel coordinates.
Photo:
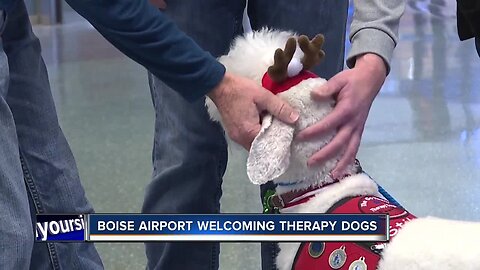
(273, 201)
(276, 88)
(292, 198)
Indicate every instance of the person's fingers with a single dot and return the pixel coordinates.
(251, 134)
(248, 134)
(330, 88)
(348, 157)
(278, 108)
(244, 135)
(329, 123)
(330, 150)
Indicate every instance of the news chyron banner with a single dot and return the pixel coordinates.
(67, 228)
(219, 227)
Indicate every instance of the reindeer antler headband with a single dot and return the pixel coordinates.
(282, 74)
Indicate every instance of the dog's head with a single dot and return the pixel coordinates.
(274, 153)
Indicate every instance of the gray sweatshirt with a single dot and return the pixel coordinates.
(374, 28)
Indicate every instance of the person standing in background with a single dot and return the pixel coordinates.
(190, 151)
(468, 21)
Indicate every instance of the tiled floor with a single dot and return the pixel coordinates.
(422, 140)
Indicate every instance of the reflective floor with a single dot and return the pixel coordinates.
(421, 142)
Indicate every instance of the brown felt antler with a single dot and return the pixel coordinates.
(278, 72)
(312, 50)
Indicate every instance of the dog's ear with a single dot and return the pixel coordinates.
(269, 156)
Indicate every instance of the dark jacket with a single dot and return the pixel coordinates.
(468, 18)
(6, 4)
(147, 36)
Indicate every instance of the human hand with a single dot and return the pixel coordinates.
(161, 4)
(241, 103)
(354, 91)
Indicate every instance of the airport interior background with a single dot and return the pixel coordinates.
(421, 141)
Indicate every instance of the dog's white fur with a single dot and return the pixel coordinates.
(273, 156)
(421, 244)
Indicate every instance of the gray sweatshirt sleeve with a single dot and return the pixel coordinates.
(374, 28)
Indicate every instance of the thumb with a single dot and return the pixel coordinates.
(279, 108)
(330, 88)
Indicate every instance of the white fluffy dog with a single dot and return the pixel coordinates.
(417, 243)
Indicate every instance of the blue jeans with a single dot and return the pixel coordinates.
(37, 170)
(190, 152)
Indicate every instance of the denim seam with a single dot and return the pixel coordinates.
(32, 190)
(214, 257)
(219, 187)
(274, 255)
(153, 92)
(220, 167)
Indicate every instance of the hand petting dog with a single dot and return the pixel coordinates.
(354, 91)
(241, 102)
